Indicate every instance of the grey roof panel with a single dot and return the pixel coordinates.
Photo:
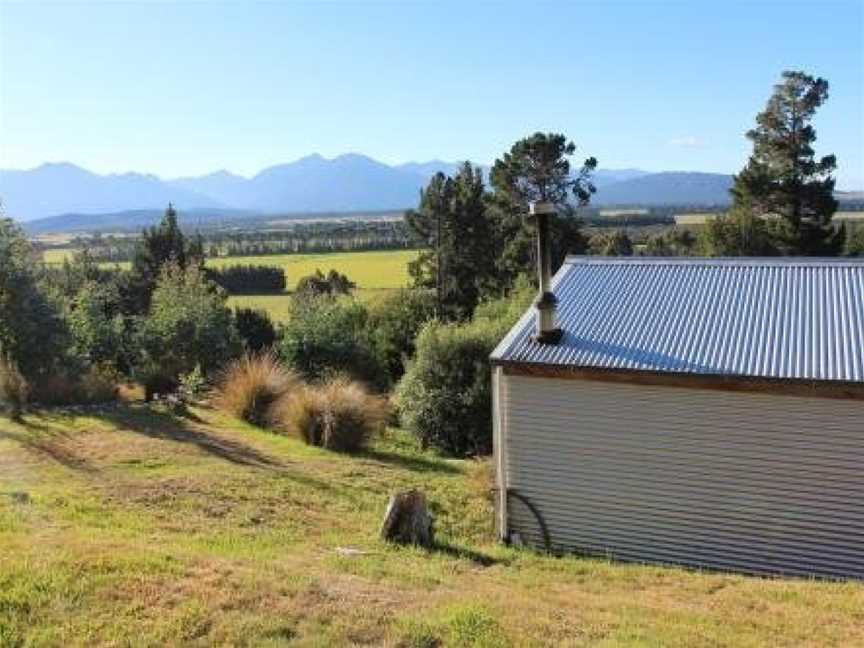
(772, 318)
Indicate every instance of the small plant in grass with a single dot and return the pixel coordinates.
(339, 415)
(192, 384)
(255, 387)
(14, 388)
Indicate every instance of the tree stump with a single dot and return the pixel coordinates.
(407, 520)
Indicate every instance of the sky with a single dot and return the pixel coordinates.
(188, 88)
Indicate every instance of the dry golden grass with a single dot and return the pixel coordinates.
(255, 387)
(339, 415)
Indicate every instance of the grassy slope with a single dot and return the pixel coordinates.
(142, 529)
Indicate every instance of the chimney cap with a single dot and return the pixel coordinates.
(541, 207)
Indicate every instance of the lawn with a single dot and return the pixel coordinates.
(127, 526)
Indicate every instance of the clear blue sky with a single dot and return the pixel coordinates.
(178, 89)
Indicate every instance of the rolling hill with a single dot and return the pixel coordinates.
(667, 188)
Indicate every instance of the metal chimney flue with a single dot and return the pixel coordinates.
(546, 330)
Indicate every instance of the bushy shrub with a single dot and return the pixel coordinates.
(98, 384)
(739, 233)
(192, 384)
(394, 323)
(317, 284)
(339, 415)
(32, 332)
(14, 389)
(255, 328)
(96, 325)
(614, 243)
(855, 244)
(253, 388)
(188, 324)
(673, 242)
(445, 396)
(327, 336)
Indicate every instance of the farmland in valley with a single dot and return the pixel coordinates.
(375, 273)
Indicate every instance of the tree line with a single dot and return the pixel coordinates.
(476, 238)
(248, 279)
(68, 331)
(300, 238)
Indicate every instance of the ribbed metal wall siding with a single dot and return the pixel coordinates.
(747, 482)
(760, 319)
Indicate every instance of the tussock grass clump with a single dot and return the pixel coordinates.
(255, 388)
(339, 415)
(14, 388)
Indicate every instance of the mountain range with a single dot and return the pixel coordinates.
(346, 183)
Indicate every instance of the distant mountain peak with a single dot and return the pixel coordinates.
(349, 182)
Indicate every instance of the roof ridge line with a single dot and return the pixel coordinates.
(788, 261)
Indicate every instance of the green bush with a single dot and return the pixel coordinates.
(32, 332)
(445, 396)
(855, 244)
(394, 323)
(97, 384)
(328, 336)
(14, 389)
(317, 284)
(614, 243)
(96, 325)
(255, 328)
(739, 233)
(187, 325)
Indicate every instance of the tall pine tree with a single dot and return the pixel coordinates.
(783, 179)
(538, 168)
(452, 225)
(159, 245)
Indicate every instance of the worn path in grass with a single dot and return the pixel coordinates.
(133, 527)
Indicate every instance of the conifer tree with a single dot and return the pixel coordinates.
(783, 179)
(537, 168)
(160, 245)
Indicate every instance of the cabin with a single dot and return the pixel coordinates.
(699, 412)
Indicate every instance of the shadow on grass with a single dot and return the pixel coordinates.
(414, 464)
(464, 553)
(48, 443)
(164, 426)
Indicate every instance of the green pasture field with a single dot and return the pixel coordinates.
(369, 270)
(373, 270)
(375, 273)
(700, 219)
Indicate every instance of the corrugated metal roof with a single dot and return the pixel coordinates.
(771, 318)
